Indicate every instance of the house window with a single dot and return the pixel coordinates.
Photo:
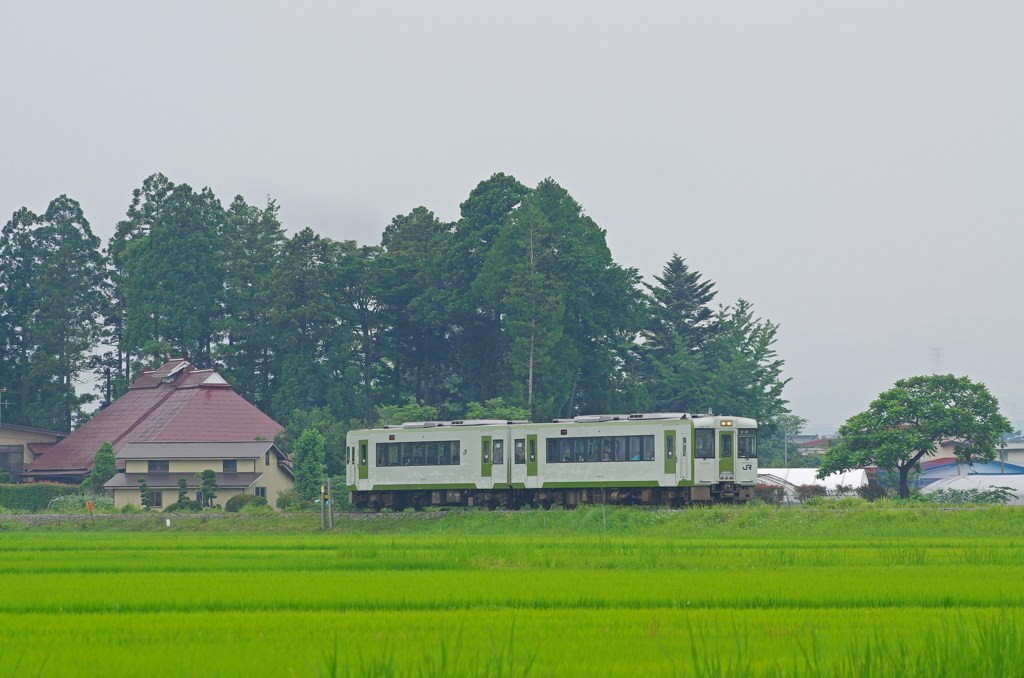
(261, 492)
(156, 499)
(266, 460)
(162, 466)
(230, 466)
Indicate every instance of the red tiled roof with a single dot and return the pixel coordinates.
(175, 403)
(39, 448)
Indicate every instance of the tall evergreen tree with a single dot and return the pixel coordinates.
(310, 328)
(475, 322)
(52, 281)
(411, 281)
(250, 243)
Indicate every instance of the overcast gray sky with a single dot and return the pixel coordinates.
(854, 169)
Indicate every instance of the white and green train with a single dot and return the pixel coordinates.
(660, 458)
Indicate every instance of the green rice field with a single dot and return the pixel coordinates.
(849, 591)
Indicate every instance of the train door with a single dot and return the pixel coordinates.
(532, 461)
(363, 457)
(517, 463)
(705, 462)
(727, 462)
(486, 481)
(684, 454)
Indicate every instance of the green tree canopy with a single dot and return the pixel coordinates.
(103, 467)
(905, 423)
(309, 464)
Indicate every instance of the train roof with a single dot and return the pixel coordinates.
(581, 419)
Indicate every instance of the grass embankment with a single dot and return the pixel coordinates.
(708, 592)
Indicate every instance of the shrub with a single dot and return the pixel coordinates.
(187, 506)
(770, 494)
(992, 495)
(33, 496)
(256, 508)
(75, 503)
(289, 500)
(871, 492)
(806, 492)
(239, 500)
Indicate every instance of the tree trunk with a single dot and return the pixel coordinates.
(904, 484)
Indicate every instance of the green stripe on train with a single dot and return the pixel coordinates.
(621, 483)
(439, 486)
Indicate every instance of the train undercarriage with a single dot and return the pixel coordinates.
(546, 498)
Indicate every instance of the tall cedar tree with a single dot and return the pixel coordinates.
(51, 301)
(309, 329)
(475, 322)
(168, 276)
(410, 283)
(568, 311)
(250, 244)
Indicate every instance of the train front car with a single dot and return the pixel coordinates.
(724, 459)
(647, 459)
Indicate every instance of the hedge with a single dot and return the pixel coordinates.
(239, 500)
(33, 496)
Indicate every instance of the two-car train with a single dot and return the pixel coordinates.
(654, 459)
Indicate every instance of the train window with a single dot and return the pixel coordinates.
(485, 448)
(533, 451)
(395, 454)
(444, 453)
(498, 451)
(609, 448)
(670, 446)
(362, 454)
(579, 449)
(431, 454)
(382, 454)
(648, 448)
(455, 454)
(682, 446)
(519, 449)
(726, 445)
(746, 446)
(704, 443)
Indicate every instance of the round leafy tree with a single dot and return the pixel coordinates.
(905, 423)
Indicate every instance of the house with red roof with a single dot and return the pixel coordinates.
(20, 445)
(174, 403)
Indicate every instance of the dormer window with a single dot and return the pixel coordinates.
(162, 466)
(230, 466)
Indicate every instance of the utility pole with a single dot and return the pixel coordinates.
(785, 446)
(330, 504)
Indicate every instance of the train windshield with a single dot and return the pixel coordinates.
(746, 443)
(704, 443)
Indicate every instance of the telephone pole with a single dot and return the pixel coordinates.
(3, 403)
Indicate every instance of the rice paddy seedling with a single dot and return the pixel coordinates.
(712, 592)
